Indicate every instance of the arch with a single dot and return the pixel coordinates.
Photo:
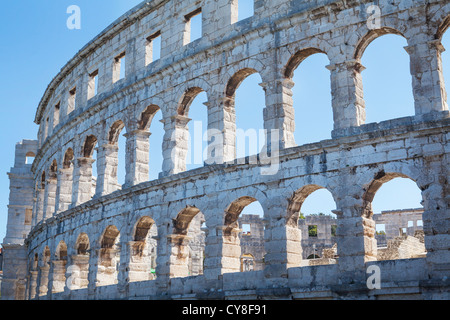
(68, 158)
(184, 218)
(316, 227)
(297, 59)
(147, 116)
(311, 124)
(187, 241)
(187, 99)
(88, 146)
(397, 234)
(443, 27)
(53, 169)
(109, 237)
(380, 178)
(233, 211)
(59, 268)
(370, 36)
(114, 132)
(82, 245)
(61, 251)
(296, 202)
(235, 81)
(80, 261)
(109, 257)
(143, 248)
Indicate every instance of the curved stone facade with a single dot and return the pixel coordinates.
(105, 241)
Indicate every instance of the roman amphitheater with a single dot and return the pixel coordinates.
(180, 236)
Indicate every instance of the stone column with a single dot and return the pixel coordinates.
(222, 251)
(82, 181)
(221, 120)
(355, 237)
(347, 95)
(59, 276)
(137, 157)
(139, 264)
(436, 217)
(38, 215)
(107, 157)
(178, 251)
(427, 77)
(43, 282)
(50, 197)
(279, 112)
(64, 190)
(282, 238)
(175, 145)
(32, 293)
(77, 275)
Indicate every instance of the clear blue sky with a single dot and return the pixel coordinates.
(36, 44)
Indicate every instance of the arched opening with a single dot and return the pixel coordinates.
(80, 263)
(251, 237)
(393, 201)
(44, 272)
(245, 101)
(143, 251)
(246, 213)
(66, 181)
(387, 78)
(193, 106)
(59, 268)
(150, 120)
(51, 189)
(29, 157)
(312, 206)
(311, 95)
(117, 162)
(187, 242)
(34, 272)
(89, 153)
(109, 257)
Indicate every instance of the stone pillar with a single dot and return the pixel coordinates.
(175, 145)
(107, 267)
(64, 190)
(82, 181)
(58, 276)
(139, 264)
(107, 158)
(221, 120)
(355, 237)
(50, 197)
(347, 95)
(38, 214)
(32, 289)
(92, 274)
(279, 112)
(427, 76)
(282, 238)
(231, 250)
(79, 274)
(137, 157)
(436, 217)
(43, 281)
(178, 251)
